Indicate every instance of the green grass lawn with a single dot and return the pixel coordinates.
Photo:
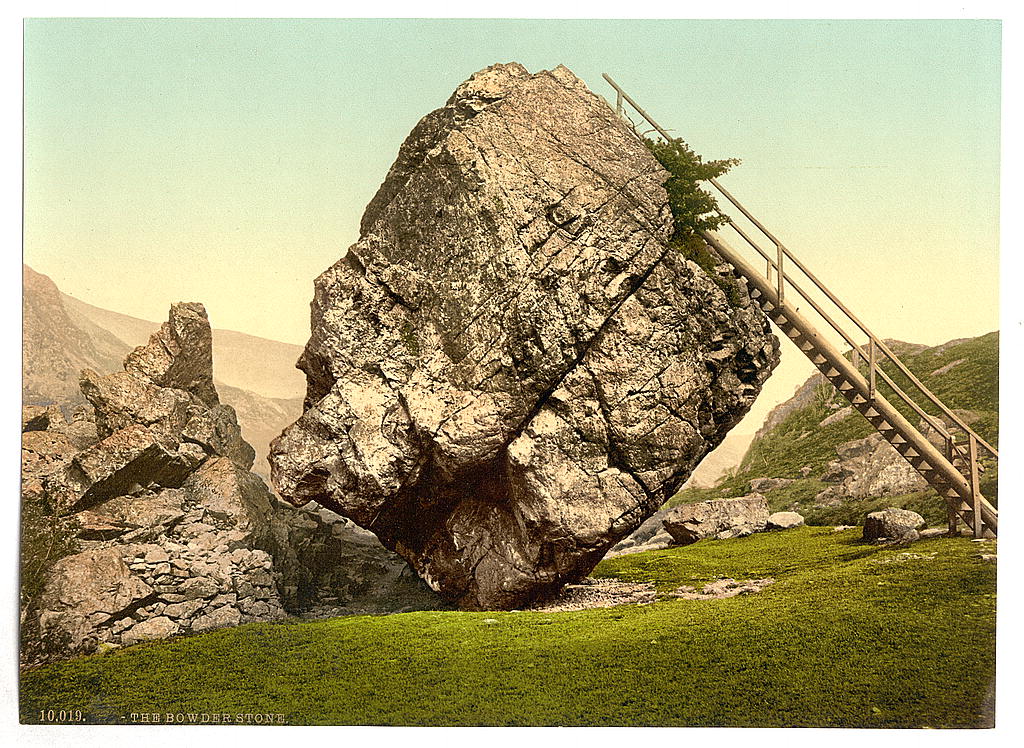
(850, 635)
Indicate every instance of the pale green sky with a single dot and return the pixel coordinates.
(229, 161)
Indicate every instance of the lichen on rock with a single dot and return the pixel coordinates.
(511, 369)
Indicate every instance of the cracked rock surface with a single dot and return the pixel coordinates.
(511, 369)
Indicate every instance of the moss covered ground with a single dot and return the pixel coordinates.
(850, 635)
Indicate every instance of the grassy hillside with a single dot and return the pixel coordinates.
(963, 374)
(850, 635)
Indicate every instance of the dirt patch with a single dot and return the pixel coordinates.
(598, 593)
(722, 588)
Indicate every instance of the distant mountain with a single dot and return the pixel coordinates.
(55, 349)
(62, 335)
(814, 439)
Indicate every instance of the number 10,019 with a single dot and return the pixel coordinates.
(63, 715)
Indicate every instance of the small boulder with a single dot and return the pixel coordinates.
(160, 627)
(894, 525)
(785, 521)
(719, 518)
(764, 485)
(94, 583)
(217, 619)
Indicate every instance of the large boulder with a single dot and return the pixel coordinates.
(893, 525)
(511, 369)
(718, 518)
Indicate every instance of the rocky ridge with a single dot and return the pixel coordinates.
(512, 369)
(142, 520)
(62, 336)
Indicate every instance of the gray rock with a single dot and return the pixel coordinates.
(933, 532)
(511, 369)
(784, 521)
(151, 510)
(217, 619)
(719, 518)
(83, 585)
(231, 494)
(159, 627)
(198, 588)
(867, 468)
(645, 532)
(120, 464)
(896, 525)
(180, 354)
(185, 609)
(764, 485)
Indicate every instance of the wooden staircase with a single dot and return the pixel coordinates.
(952, 471)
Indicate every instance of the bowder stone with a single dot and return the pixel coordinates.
(512, 368)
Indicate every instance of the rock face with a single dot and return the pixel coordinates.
(142, 519)
(511, 368)
(894, 525)
(719, 518)
(868, 467)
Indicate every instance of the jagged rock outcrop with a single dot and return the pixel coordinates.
(719, 518)
(63, 335)
(142, 519)
(511, 368)
(867, 468)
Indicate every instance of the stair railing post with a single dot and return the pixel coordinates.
(618, 102)
(871, 369)
(979, 530)
(781, 276)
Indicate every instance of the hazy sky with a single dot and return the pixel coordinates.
(229, 161)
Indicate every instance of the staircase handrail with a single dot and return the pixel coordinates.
(874, 342)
